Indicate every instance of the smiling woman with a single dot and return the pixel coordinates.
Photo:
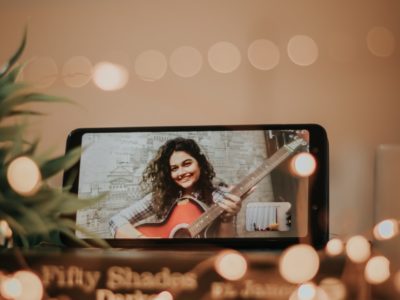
(179, 175)
(185, 170)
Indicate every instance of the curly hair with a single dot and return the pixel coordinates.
(157, 178)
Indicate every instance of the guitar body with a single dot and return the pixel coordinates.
(177, 222)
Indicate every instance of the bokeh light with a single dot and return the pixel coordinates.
(377, 270)
(381, 41)
(10, 288)
(386, 229)
(164, 295)
(24, 176)
(303, 164)
(110, 77)
(231, 265)
(358, 249)
(302, 50)
(5, 229)
(309, 292)
(32, 286)
(299, 263)
(306, 291)
(334, 247)
(263, 54)
(151, 65)
(224, 57)
(77, 71)
(186, 61)
(41, 72)
(334, 288)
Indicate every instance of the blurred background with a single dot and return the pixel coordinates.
(145, 63)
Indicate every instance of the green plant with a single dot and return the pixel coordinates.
(34, 218)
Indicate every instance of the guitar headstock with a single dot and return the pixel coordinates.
(290, 139)
(300, 138)
(296, 144)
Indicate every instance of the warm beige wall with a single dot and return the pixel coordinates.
(351, 92)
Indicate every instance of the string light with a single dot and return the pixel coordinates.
(32, 286)
(303, 164)
(381, 41)
(186, 61)
(377, 270)
(263, 54)
(299, 263)
(164, 295)
(5, 234)
(41, 72)
(224, 57)
(302, 50)
(110, 77)
(24, 176)
(358, 249)
(334, 247)
(5, 229)
(231, 265)
(77, 71)
(309, 291)
(306, 291)
(151, 65)
(11, 288)
(386, 229)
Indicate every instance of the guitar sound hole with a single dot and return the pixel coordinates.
(182, 233)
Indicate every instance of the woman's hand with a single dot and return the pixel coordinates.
(231, 205)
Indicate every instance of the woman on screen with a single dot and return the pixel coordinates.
(179, 171)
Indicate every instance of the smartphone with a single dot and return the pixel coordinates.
(240, 186)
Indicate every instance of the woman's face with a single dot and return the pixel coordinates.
(185, 169)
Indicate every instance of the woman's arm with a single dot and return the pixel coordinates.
(231, 205)
(121, 224)
(127, 231)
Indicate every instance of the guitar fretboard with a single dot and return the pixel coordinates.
(245, 185)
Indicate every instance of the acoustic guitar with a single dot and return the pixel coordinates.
(188, 218)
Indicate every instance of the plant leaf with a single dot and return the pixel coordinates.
(47, 207)
(9, 64)
(4, 152)
(71, 205)
(13, 223)
(60, 163)
(9, 133)
(24, 112)
(31, 148)
(95, 238)
(69, 234)
(10, 88)
(18, 230)
(10, 103)
(11, 77)
(68, 182)
(28, 216)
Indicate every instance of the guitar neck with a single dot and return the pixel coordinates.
(257, 175)
(245, 185)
